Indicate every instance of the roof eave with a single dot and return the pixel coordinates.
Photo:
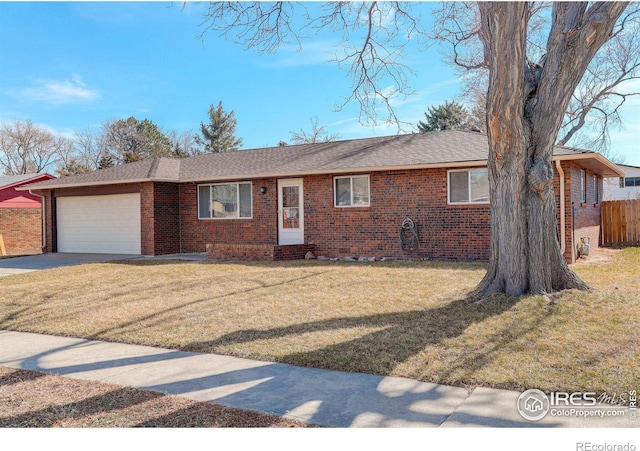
(81, 184)
(611, 169)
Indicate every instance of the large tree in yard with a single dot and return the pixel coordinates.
(526, 100)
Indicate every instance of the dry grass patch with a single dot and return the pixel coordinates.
(406, 319)
(30, 399)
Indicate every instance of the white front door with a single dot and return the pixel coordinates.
(290, 212)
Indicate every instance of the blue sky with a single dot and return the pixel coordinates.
(70, 66)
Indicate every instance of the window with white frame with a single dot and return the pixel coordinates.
(351, 191)
(595, 189)
(583, 185)
(225, 201)
(629, 181)
(468, 186)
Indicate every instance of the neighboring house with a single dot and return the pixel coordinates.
(623, 188)
(21, 214)
(339, 199)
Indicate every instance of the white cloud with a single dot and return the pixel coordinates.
(58, 92)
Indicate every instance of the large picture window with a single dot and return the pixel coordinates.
(225, 201)
(468, 186)
(351, 191)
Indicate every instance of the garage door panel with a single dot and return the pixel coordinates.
(107, 224)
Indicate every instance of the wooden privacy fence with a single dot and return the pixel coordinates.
(621, 222)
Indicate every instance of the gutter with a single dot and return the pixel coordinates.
(44, 223)
(563, 246)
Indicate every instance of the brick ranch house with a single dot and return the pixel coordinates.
(21, 215)
(345, 198)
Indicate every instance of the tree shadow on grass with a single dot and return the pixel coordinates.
(397, 336)
(370, 399)
(76, 411)
(18, 377)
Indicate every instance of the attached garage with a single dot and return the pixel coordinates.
(106, 224)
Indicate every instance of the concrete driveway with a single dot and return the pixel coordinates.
(19, 265)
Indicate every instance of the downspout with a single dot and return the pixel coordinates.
(44, 223)
(180, 221)
(563, 246)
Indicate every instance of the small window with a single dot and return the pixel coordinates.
(595, 189)
(631, 181)
(468, 186)
(351, 191)
(583, 186)
(225, 201)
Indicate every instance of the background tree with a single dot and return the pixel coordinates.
(27, 148)
(129, 140)
(317, 134)
(218, 135)
(123, 141)
(530, 86)
(446, 116)
(86, 154)
(183, 144)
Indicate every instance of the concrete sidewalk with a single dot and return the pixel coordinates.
(315, 396)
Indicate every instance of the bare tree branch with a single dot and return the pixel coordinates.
(605, 83)
(374, 38)
(317, 134)
(260, 26)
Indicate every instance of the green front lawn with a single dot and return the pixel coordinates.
(405, 319)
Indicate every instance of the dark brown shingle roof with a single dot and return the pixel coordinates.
(436, 149)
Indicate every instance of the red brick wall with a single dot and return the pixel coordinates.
(167, 217)
(258, 252)
(445, 231)
(586, 215)
(21, 230)
(449, 232)
(147, 229)
(159, 218)
(261, 229)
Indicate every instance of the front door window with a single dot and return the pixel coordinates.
(291, 207)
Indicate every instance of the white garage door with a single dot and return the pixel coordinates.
(107, 224)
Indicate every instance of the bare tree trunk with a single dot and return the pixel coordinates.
(525, 106)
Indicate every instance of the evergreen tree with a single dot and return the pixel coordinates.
(129, 140)
(219, 134)
(447, 116)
